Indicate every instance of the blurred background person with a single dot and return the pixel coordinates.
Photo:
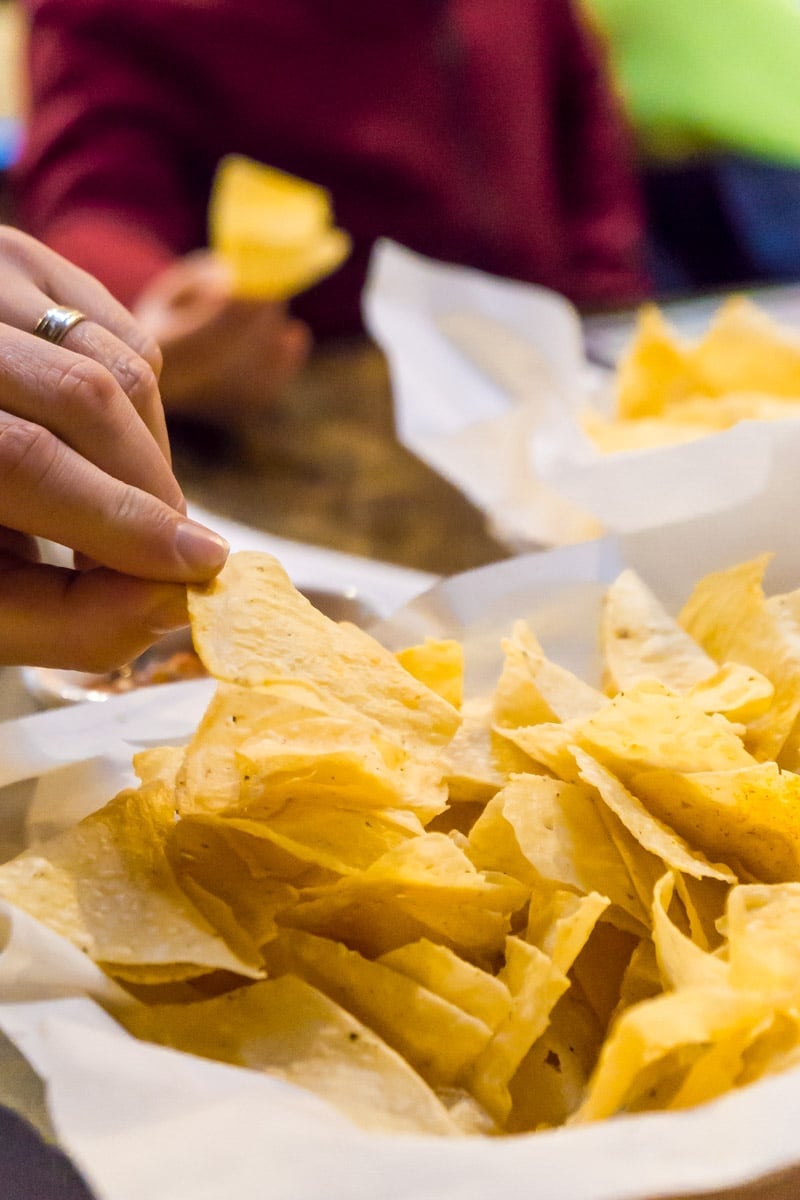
(712, 90)
(478, 133)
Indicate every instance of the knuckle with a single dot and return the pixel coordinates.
(139, 512)
(173, 496)
(126, 507)
(27, 451)
(139, 341)
(87, 386)
(148, 348)
(137, 379)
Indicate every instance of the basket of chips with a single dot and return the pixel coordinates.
(508, 898)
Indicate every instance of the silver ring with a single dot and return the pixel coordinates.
(55, 324)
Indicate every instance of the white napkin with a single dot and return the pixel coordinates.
(141, 1120)
(477, 364)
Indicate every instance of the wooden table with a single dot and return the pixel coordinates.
(324, 466)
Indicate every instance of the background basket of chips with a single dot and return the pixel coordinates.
(492, 389)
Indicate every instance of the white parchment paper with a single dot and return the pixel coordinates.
(143, 1121)
(489, 379)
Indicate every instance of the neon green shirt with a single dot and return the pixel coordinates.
(697, 75)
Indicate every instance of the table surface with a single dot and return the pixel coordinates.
(324, 466)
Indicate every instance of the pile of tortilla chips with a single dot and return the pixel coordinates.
(746, 367)
(549, 904)
(274, 231)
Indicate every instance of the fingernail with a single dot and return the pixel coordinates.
(200, 549)
(169, 613)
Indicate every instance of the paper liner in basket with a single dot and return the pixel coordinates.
(434, 322)
(489, 379)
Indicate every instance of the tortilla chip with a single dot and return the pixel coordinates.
(106, 885)
(274, 231)
(439, 1039)
(535, 984)
(559, 833)
(750, 815)
(335, 762)
(655, 370)
(647, 727)
(730, 617)
(532, 689)
(563, 927)
(723, 411)
(681, 962)
(646, 1038)
(251, 626)
(425, 888)
(441, 971)
(291, 1030)
(439, 664)
(762, 923)
(651, 834)
(745, 350)
(615, 436)
(479, 760)
(640, 640)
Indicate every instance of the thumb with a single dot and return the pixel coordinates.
(90, 621)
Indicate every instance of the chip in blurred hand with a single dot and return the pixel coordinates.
(275, 232)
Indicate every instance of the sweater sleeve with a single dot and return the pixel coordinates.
(601, 194)
(109, 145)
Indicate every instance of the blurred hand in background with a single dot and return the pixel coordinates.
(221, 355)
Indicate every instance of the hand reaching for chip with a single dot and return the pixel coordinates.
(223, 356)
(220, 317)
(84, 462)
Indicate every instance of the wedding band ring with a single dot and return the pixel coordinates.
(55, 324)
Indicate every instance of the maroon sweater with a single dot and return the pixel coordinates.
(476, 131)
